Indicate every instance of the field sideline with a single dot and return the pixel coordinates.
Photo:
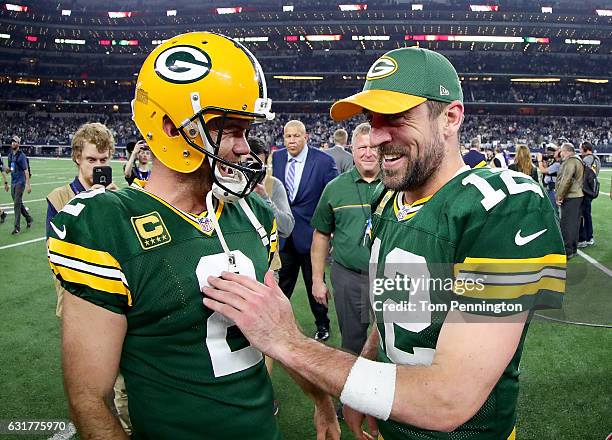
(566, 383)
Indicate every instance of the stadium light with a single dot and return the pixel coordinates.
(468, 38)
(535, 80)
(537, 40)
(287, 8)
(484, 8)
(546, 10)
(15, 8)
(31, 38)
(5, 36)
(119, 14)
(69, 41)
(604, 12)
(66, 12)
(324, 37)
(298, 77)
(592, 80)
(292, 38)
(251, 39)
(573, 41)
(417, 7)
(370, 38)
(359, 7)
(171, 13)
(158, 42)
(222, 11)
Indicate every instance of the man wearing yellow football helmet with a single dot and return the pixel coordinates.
(135, 260)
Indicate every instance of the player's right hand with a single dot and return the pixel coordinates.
(320, 292)
(354, 420)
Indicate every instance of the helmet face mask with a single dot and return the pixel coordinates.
(244, 175)
(191, 80)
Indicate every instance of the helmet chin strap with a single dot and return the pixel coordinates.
(231, 259)
(237, 182)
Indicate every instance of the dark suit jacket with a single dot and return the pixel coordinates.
(319, 169)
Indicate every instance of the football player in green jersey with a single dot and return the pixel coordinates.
(460, 259)
(134, 261)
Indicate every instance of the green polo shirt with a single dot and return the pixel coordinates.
(343, 210)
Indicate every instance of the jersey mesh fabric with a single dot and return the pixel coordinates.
(167, 360)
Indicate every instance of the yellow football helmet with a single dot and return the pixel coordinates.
(191, 79)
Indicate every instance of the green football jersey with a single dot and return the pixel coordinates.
(189, 372)
(487, 243)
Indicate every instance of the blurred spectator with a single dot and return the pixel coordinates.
(549, 167)
(523, 163)
(590, 188)
(6, 187)
(344, 161)
(341, 218)
(569, 197)
(138, 166)
(305, 171)
(474, 158)
(20, 181)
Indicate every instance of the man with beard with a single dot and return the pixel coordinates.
(459, 259)
(134, 261)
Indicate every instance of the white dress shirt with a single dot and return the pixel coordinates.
(300, 161)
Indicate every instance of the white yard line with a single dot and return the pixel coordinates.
(10, 204)
(595, 263)
(22, 243)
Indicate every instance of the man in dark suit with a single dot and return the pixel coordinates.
(305, 172)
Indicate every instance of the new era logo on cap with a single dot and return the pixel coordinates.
(443, 91)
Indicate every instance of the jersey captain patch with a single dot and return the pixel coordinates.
(151, 230)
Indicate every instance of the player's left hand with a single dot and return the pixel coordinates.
(261, 311)
(28, 188)
(326, 421)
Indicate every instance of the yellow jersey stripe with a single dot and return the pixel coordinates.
(515, 291)
(481, 164)
(82, 253)
(95, 282)
(350, 206)
(512, 435)
(556, 259)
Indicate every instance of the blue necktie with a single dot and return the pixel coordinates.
(290, 179)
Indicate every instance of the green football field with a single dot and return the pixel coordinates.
(566, 369)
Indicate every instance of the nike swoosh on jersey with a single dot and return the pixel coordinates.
(520, 241)
(60, 233)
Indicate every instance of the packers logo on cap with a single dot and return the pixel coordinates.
(384, 66)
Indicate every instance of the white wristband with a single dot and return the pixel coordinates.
(370, 388)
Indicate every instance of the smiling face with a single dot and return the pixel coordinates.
(233, 146)
(410, 147)
(365, 156)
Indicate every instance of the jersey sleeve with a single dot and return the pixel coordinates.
(81, 260)
(323, 217)
(510, 258)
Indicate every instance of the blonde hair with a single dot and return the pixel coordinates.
(340, 136)
(95, 133)
(361, 129)
(523, 160)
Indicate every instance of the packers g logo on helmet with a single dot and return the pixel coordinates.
(186, 84)
(183, 64)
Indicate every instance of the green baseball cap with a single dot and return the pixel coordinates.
(400, 80)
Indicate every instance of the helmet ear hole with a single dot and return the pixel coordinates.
(169, 127)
